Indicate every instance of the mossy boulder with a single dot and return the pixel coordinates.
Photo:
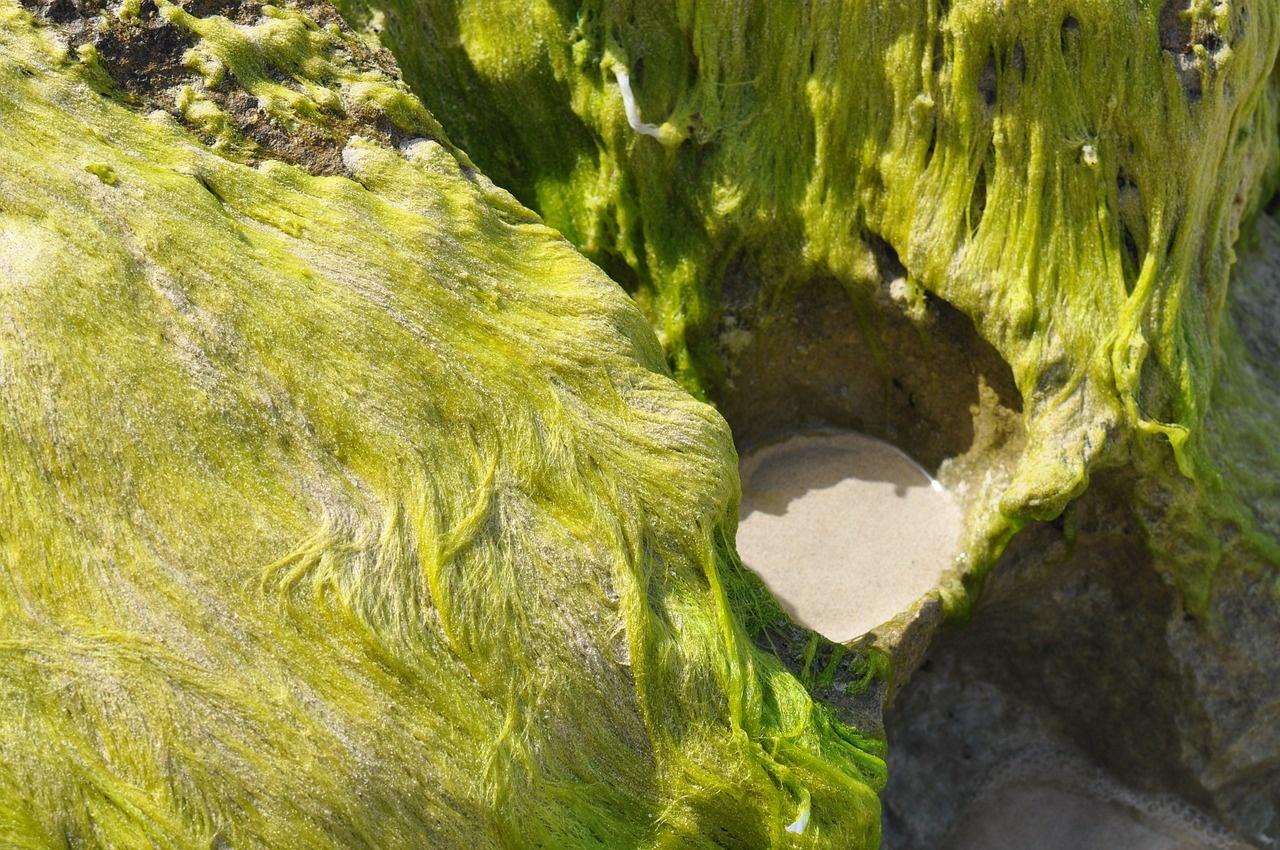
(344, 503)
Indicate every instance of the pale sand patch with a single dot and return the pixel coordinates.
(845, 530)
(1052, 799)
(1040, 816)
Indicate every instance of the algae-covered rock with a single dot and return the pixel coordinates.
(347, 505)
(1024, 241)
(344, 503)
(1072, 176)
(1016, 158)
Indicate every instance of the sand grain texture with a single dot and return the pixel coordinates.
(845, 530)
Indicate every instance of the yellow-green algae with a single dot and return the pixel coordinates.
(354, 512)
(1071, 174)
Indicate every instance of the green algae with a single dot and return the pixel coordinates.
(1071, 175)
(353, 511)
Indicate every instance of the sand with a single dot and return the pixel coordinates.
(1050, 798)
(845, 530)
(1041, 816)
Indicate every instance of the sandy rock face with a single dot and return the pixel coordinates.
(847, 532)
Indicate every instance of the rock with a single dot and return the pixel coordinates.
(1026, 244)
(344, 503)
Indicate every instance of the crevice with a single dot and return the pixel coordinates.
(1070, 34)
(988, 82)
(1132, 224)
(977, 201)
(887, 260)
(1133, 260)
(208, 187)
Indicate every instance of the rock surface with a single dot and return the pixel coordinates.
(1081, 638)
(342, 502)
(1026, 243)
(345, 503)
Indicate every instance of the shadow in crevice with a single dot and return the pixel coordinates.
(773, 480)
(827, 356)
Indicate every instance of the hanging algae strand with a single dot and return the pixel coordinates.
(666, 133)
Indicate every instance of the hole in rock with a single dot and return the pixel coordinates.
(989, 82)
(1070, 29)
(896, 364)
(820, 359)
(845, 530)
(1052, 720)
